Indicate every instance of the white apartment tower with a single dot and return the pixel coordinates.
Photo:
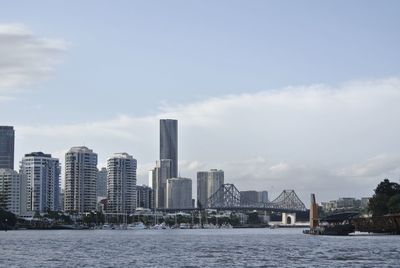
(80, 180)
(43, 182)
(13, 191)
(121, 183)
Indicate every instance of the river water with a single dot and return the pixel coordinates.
(194, 248)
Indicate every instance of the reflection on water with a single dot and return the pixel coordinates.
(195, 248)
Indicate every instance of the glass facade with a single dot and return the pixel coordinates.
(169, 143)
(6, 147)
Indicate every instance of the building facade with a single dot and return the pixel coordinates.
(80, 180)
(61, 200)
(202, 194)
(169, 143)
(13, 191)
(161, 173)
(43, 181)
(208, 182)
(7, 147)
(179, 193)
(248, 197)
(121, 183)
(144, 197)
(101, 183)
(263, 197)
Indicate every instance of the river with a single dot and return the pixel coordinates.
(194, 248)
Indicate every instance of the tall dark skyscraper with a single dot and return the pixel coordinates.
(169, 143)
(6, 147)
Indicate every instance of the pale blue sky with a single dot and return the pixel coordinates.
(131, 56)
(99, 72)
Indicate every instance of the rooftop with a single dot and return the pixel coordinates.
(38, 154)
(80, 149)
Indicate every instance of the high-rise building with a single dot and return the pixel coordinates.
(144, 197)
(80, 180)
(151, 178)
(164, 173)
(61, 200)
(248, 197)
(155, 173)
(6, 147)
(160, 174)
(202, 194)
(169, 143)
(208, 182)
(101, 183)
(43, 181)
(121, 183)
(263, 197)
(179, 193)
(13, 191)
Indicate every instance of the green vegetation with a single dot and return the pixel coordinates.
(253, 218)
(7, 220)
(386, 199)
(58, 217)
(93, 219)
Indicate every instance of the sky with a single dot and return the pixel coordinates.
(299, 95)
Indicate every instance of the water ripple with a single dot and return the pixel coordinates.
(195, 248)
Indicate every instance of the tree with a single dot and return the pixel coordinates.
(394, 204)
(386, 199)
(7, 219)
(253, 218)
(3, 201)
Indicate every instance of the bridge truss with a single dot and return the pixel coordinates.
(228, 196)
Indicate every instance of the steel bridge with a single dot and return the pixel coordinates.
(228, 197)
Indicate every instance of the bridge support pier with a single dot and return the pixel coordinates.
(288, 218)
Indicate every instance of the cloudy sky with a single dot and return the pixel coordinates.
(280, 95)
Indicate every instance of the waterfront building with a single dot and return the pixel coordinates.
(329, 206)
(61, 200)
(7, 147)
(179, 193)
(169, 143)
(208, 182)
(101, 183)
(80, 180)
(13, 191)
(121, 183)
(43, 181)
(144, 197)
(345, 204)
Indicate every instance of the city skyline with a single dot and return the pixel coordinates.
(275, 109)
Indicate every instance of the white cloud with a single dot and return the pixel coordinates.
(374, 166)
(24, 57)
(334, 141)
